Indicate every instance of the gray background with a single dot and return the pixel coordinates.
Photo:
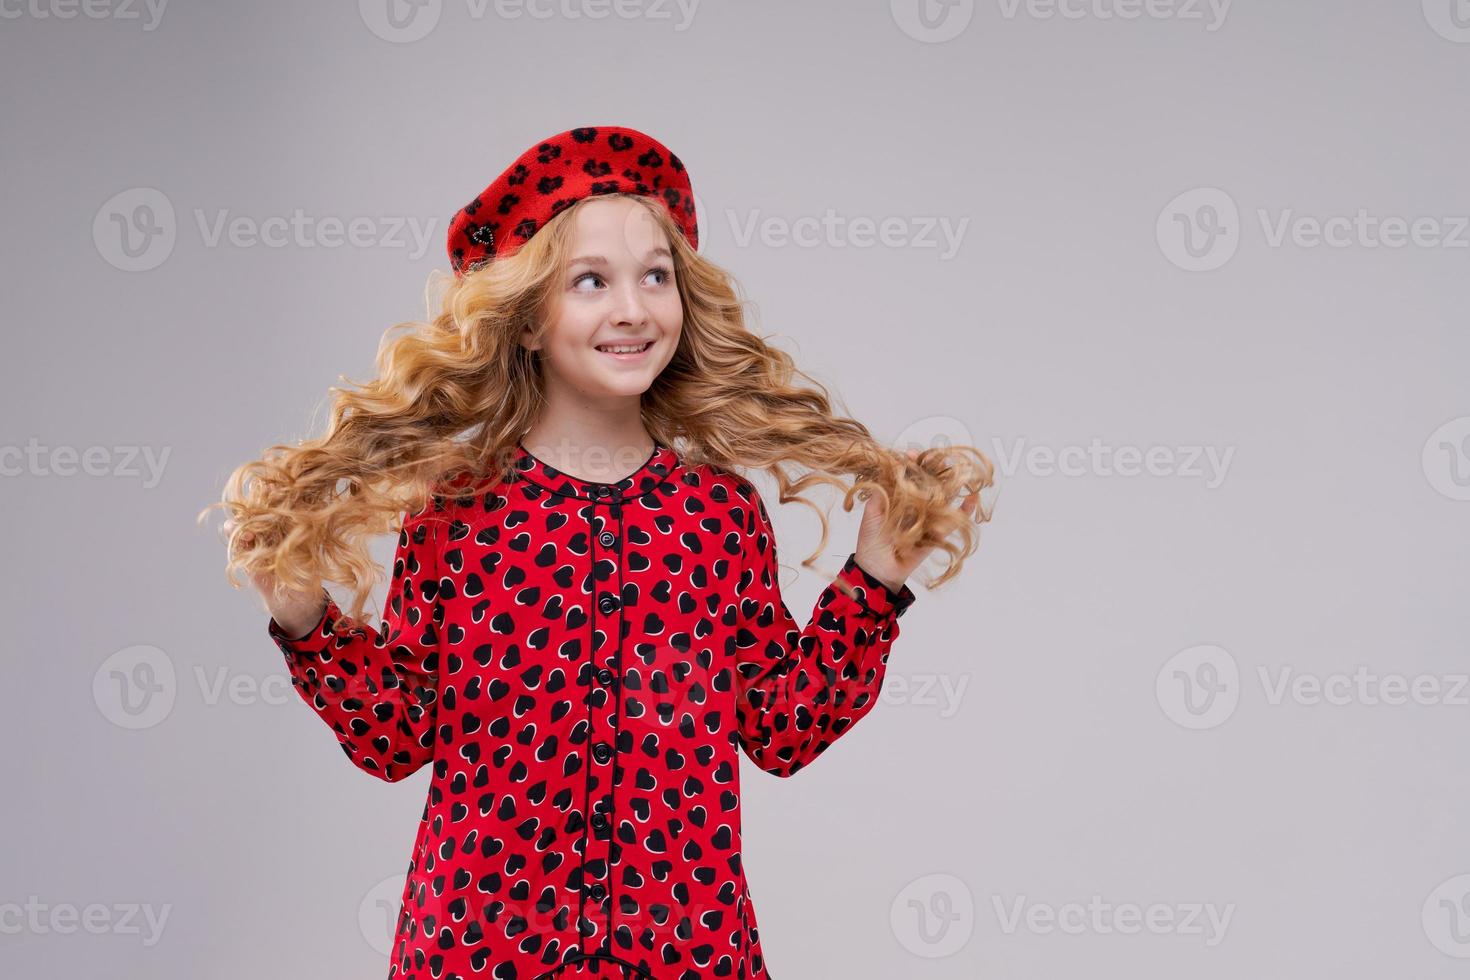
(1072, 760)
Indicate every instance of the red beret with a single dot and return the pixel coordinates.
(558, 172)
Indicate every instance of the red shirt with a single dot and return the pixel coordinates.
(582, 664)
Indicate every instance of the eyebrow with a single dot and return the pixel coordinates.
(600, 260)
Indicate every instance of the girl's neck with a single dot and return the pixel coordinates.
(594, 449)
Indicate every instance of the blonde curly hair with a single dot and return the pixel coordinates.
(454, 395)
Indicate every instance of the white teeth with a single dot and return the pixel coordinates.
(623, 348)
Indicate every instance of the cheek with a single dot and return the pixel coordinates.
(571, 333)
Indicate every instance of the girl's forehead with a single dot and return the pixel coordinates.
(610, 223)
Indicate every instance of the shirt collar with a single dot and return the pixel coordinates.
(660, 465)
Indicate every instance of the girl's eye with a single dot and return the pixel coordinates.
(660, 270)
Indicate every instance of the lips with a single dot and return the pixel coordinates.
(625, 350)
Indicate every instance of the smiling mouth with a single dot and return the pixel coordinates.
(625, 350)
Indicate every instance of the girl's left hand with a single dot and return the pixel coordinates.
(875, 549)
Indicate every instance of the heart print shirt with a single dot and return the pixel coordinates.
(581, 665)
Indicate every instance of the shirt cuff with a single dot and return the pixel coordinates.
(876, 598)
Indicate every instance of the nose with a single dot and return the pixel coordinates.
(629, 307)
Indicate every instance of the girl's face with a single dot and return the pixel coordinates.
(615, 317)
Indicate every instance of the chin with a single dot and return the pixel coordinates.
(625, 387)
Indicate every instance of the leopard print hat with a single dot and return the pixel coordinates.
(558, 172)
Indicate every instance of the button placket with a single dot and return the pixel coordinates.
(604, 738)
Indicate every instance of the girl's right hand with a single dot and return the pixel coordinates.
(294, 612)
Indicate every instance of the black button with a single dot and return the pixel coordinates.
(606, 539)
(608, 604)
(604, 676)
(599, 822)
(601, 751)
(602, 490)
(597, 892)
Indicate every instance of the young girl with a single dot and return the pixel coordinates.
(584, 626)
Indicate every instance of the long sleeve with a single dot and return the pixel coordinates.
(802, 688)
(378, 691)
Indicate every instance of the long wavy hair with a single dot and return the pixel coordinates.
(454, 395)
